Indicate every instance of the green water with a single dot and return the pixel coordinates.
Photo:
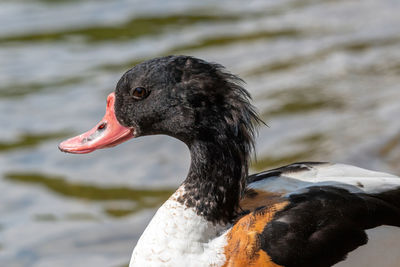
(324, 76)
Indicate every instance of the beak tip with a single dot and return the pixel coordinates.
(62, 149)
(59, 148)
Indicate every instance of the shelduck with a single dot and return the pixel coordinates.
(307, 214)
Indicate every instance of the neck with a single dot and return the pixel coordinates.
(189, 227)
(216, 179)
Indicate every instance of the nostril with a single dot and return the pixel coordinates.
(102, 126)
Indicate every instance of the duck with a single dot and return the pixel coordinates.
(306, 214)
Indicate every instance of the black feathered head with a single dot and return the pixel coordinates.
(187, 98)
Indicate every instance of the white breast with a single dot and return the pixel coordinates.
(177, 236)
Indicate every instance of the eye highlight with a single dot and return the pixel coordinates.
(138, 93)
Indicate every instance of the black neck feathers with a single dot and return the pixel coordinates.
(220, 148)
(215, 181)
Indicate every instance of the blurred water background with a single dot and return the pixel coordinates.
(323, 74)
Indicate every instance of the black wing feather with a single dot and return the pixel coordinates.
(322, 225)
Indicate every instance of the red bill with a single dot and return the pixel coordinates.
(107, 133)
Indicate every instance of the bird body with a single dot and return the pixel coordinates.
(177, 236)
(307, 214)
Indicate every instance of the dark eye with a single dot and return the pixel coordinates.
(139, 92)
